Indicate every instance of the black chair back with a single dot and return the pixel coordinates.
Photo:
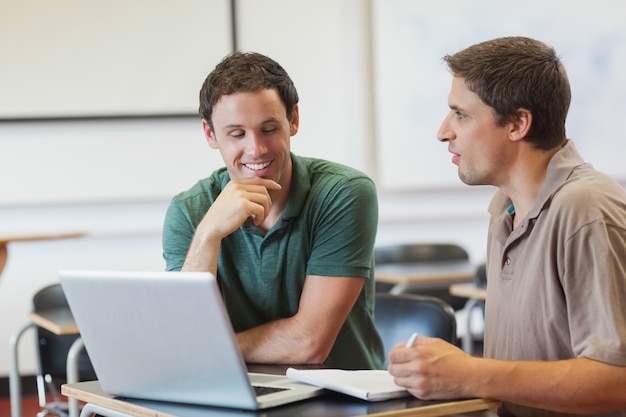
(397, 316)
(480, 279)
(420, 253)
(52, 348)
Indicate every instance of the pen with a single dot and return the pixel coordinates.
(411, 340)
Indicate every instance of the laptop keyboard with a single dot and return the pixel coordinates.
(264, 390)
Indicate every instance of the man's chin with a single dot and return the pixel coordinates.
(468, 179)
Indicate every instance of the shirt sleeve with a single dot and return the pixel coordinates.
(344, 230)
(594, 283)
(178, 232)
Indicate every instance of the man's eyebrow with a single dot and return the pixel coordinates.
(459, 108)
(270, 120)
(238, 125)
(241, 126)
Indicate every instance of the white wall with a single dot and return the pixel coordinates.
(412, 82)
(324, 46)
(86, 161)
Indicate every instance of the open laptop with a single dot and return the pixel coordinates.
(167, 336)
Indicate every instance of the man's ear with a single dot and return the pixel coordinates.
(294, 123)
(520, 126)
(209, 135)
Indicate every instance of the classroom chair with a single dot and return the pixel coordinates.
(51, 354)
(397, 316)
(422, 253)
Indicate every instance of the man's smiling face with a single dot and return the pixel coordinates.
(253, 134)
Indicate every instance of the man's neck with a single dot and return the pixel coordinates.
(525, 180)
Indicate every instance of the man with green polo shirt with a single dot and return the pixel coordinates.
(289, 238)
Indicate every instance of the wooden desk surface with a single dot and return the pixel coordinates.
(468, 291)
(425, 273)
(5, 240)
(328, 404)
(59, 321)
(40, 236)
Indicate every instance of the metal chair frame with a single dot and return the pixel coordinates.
(53, 353)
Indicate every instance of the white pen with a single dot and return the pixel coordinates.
(411, 340)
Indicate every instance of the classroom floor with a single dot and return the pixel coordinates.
(30, 406)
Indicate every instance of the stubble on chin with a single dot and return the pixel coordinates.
(471, 178)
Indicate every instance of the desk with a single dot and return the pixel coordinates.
(5, 240)
(328, 404)
(471, 291)
(474, 295)
(60, 322)
(428, 274)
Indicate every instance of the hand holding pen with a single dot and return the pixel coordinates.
(430, 368)
(411, 340)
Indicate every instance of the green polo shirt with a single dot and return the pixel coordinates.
(328, 228)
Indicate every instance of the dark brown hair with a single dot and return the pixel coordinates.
(246, 72)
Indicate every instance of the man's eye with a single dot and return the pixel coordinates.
(459, 115)
(269, 130)
(237, 134)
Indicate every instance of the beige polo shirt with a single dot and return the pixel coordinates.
(557, 284)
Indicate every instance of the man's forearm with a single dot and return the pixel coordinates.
(574, 386)
(283, 341)
(202, 255)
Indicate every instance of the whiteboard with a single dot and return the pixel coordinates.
(410, 38)
(76, 58)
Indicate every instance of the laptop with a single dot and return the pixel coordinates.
(166, 336)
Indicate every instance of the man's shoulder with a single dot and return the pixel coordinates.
(587, 186)
(206, 188)
(324, 167)
(589, 196)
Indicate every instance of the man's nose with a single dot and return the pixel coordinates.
(445, 133)
(256, 145)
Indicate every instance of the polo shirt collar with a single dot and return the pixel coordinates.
(300, 188)
(560, 167)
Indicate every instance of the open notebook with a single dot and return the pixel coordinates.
(166, 336)
(370, 385)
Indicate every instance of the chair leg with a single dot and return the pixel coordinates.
(56, 407)
(46, 411)
(15, 383)
(73, 357)
(468, 339)
(91, 410)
